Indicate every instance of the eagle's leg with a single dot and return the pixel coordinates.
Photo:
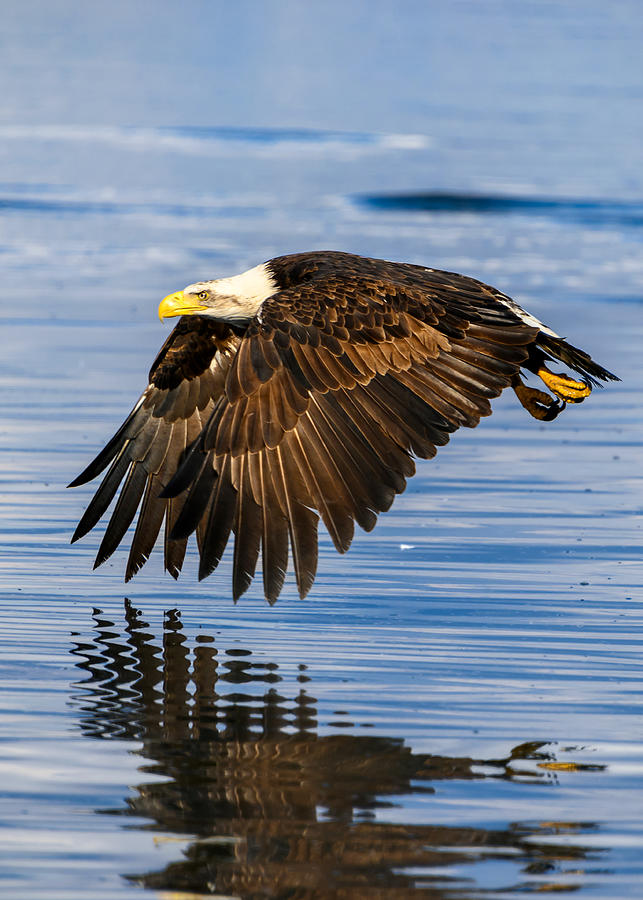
(566, 388)
(537, 403)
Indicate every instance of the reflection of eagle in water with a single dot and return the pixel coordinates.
(265, 801)
(303, 388)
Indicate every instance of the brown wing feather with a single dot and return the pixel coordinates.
(220, 519)
(292, 493)
(185, 380)
(274, 540)
(247, 529)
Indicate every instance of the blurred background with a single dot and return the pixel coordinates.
(486, 632)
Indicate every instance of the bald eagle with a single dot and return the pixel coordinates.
(305, 387)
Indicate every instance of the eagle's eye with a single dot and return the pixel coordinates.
(202, 295)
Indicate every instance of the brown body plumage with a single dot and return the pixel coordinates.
(311, 401)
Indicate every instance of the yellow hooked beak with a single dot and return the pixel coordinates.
(178, 305)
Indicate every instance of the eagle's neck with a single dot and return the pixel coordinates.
(241, 296)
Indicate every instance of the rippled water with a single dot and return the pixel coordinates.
(455, 711)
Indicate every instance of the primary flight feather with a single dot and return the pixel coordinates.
(303, 388)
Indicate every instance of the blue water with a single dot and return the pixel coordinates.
(455, 711)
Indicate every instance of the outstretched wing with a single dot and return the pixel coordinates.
(335, 386)
(185, 383)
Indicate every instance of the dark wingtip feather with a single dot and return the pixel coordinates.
(95, 467)
(241, 581)
(175, 554)
(103, 497)
(195, 503)
(134, 566)
(187, 471)
(174, 551)
(577, 359)
(273, 582)
(247, 539)
(124, 512)
(304, 584)
(113, 446)
(219, 524)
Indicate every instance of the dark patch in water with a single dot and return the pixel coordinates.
(105, 208)
(270, 136)
(589, 212)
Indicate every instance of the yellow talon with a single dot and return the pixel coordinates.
(565, 387)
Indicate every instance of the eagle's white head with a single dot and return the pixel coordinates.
(235, 299)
